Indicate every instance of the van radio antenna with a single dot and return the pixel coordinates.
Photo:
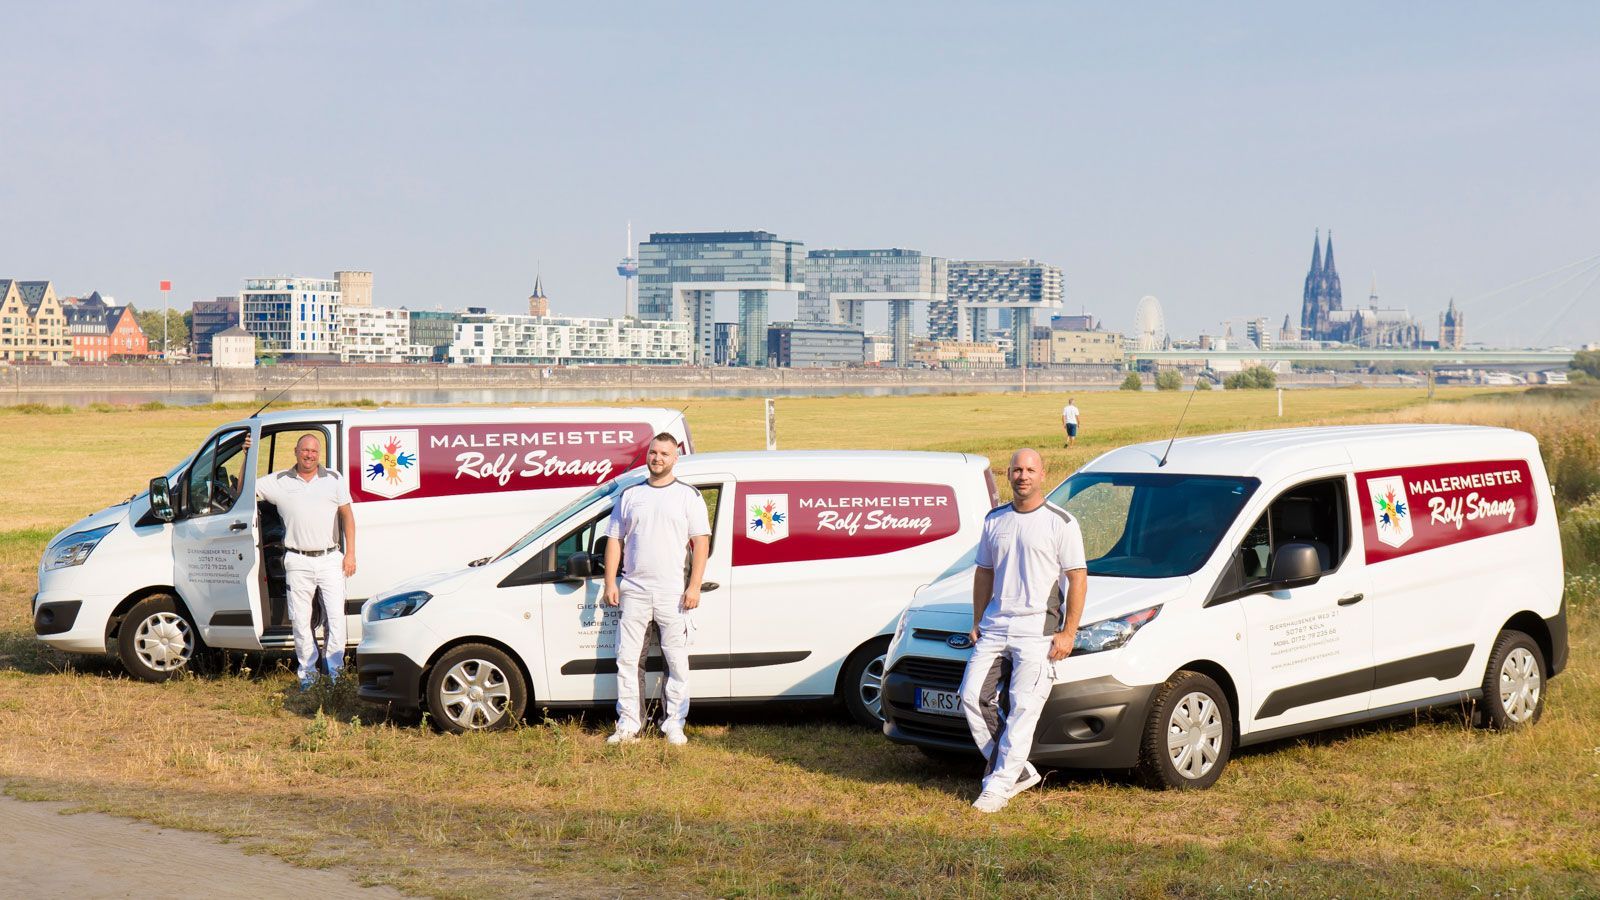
(1175, 428)
(286, 390)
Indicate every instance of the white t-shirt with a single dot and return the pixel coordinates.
(655, 525)
(310, 509)
(1029, 554)
(1069, 414)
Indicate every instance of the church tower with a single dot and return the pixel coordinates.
(538, 303)
(1333, 295)
(1452, 328)
(1310, 310)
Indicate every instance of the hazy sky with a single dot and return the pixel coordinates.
(1186, 151)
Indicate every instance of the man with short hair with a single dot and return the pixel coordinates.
(1029, 555)
(314, 502)
(1069, 420)
(654, 526)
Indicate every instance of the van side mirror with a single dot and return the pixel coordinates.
(585, 565)
(1295, 565)
(161, 499)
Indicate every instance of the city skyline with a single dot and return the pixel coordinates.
(1183, 155)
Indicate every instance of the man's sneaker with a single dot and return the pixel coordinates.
(623, 737)
(990, 802)
(1029, 777)
(306, 683)
(675, 736)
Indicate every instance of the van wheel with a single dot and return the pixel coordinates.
(1189, 735)
(1513, 685)
(156, 640)
(862, 683)
(475, 687)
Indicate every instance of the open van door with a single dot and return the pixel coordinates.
(214, 541)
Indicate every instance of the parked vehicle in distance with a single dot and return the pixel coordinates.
(812, 556)
(196, 562)
(1250, 587)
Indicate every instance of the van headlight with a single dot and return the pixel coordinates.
(900, 629)
(73, 549)
(398, 605)
(1109, 634)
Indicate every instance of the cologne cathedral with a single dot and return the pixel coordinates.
(1324, 318)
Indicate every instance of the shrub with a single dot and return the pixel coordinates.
(1169, 380)
(1587, 362)
(153, 406)
(1253, 378)
(1580, 536)
(1202, 384)
(1133, 382)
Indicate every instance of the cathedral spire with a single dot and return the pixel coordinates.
(1330, 279)
(1310, 317)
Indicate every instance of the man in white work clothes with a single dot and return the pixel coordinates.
(1027, 598)
(314, 502)
(655, 525)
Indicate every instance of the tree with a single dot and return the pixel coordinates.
(1587, 362)
(1253, 378)
(1202, 384)
(150, 323)
(1133, 382)
(1169, 380)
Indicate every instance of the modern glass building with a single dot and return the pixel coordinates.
(840, 284)
(209, 318)
(291, 314)
(680, 273)
(814, 345)
(1018, 286)
(434, 328)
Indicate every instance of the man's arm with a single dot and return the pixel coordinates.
(347, 520)
(613, 563)
(700, 548)
(1077, 589)
(982, 587)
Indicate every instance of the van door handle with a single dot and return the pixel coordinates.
(707, 587)
(1352, 600)
(238, 526)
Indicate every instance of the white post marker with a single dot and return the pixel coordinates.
(1280, 403)
(772, 425)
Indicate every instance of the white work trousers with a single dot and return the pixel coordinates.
(305, 575)
(1031, 677)
(675, 624)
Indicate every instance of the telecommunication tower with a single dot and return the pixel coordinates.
(629, 270)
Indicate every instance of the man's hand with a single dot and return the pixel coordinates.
(974, 635)
(611, 594)
(691, 598)
(349, 565)
(1061, 645)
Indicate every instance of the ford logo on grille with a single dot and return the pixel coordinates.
(959, 641)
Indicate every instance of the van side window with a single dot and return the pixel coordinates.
(276, 451)
(580, 540)
(1315, 513)
(213, 482)
(712, 495)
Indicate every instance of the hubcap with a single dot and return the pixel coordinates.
(164, 642)
(475, 693)
(1520, 683)
(1194, 735)
(871, 687)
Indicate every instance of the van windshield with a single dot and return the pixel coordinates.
(614, 486)
(1151, 526)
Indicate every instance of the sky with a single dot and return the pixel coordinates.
(1185, 151)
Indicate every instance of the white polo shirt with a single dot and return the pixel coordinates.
(1069, 414)
(310, 509)
(1030, 554)
(655, 525)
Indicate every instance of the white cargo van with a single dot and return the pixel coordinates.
(1257, 586)
(812, 556)
(202, 566)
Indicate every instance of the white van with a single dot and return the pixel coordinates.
(202, 566)
(812, 556)
(1249, 587)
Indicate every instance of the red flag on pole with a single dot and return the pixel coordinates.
(166, 285)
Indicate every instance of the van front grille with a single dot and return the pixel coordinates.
(940, 673)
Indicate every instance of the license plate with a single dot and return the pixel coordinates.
(940, 703)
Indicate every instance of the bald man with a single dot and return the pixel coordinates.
(1027, 598)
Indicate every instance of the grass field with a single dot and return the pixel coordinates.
(779, 803)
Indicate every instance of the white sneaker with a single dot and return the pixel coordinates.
(1029, 777)
(990, 802)
(623, 737)
(675, 736)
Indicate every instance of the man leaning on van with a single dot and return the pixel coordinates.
(314, 502)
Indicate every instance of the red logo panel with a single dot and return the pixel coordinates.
(450, 460)
(792, 521)
(1404, 511)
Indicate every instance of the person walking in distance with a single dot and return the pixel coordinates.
(1069, 421)
(314, 502)
(1027, 597)
(654, 526)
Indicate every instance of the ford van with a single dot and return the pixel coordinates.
(812, 555)
(1250, 587)
(195, 562)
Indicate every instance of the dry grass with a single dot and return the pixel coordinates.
(765, 804)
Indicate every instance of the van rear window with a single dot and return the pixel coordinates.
(1151, 526)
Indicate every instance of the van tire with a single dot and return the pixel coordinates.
(475, 687)
(1513, 683)
(1185, 696)
(156, 640)
(861, 685)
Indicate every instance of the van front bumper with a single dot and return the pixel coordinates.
(1092, 723)
(76, 623)
(389, 678)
